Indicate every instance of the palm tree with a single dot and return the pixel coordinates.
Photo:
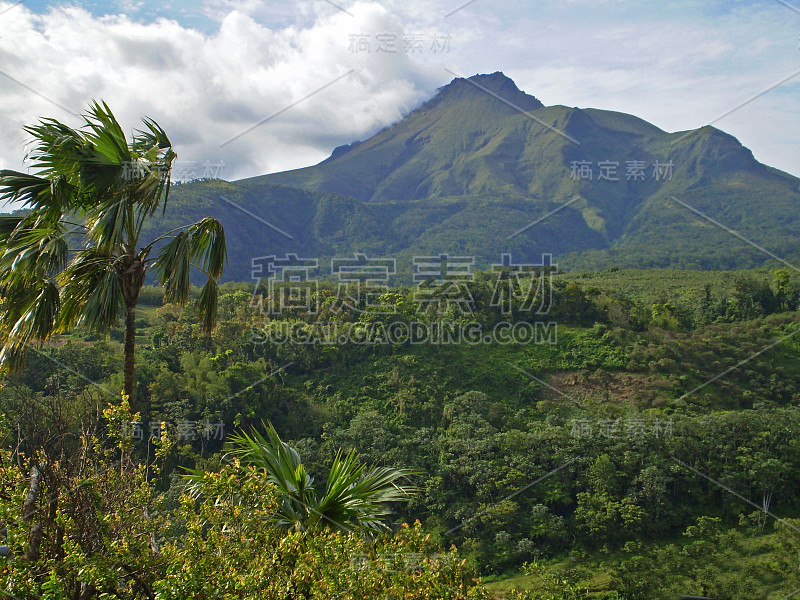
(356, 497)
(96, 190)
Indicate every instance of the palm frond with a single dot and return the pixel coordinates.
(356, 496)
(32, 254)
(110, 146)
(154, 139)
(284, 468)
(172, 268)
(91, 291)
(281, 462)
(53, 196)
(207, 304)
(209, 252)
(193, 481)
(208, 247)
(153, 147)
(8, 222)
(58, 150)
(35, 315)
(361, 495)
(107, 227)
(39, 316)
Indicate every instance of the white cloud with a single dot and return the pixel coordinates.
(205, 89)
(678, 68)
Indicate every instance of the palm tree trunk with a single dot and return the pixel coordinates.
(130, 350)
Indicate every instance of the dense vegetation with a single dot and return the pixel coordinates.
(651, 451)
(619, 434)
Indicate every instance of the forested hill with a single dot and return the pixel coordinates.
(605, 455)
(481, 160)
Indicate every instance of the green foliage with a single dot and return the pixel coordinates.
(230, 544)
(585, 419)
(356, 497)
(81, 519)
(98, 528)
(713, 561)
(76, 256)
(552, 586)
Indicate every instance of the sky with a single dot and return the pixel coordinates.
(247, 87)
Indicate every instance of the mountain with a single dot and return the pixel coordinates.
(482, 160)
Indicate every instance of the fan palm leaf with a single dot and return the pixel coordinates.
(94, 187)
(356, 497)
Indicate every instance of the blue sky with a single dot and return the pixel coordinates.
(203, 14)
(209, 70)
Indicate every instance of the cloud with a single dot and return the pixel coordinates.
(206, 89)
(678, 65)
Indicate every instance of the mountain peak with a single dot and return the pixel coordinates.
(466, 170)
(498, 78)
(494, 84)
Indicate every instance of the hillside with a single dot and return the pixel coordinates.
(581, 456)
(469, 169)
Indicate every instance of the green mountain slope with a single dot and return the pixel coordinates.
(469, 169)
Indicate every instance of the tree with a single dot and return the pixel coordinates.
(356, 497)
(103, 532)
(754, 298)
(76, 509)
(231, 548)
(95, 189)
(785, 290)
(554, 585)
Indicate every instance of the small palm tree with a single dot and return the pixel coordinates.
(95, 189)
(356, 497)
